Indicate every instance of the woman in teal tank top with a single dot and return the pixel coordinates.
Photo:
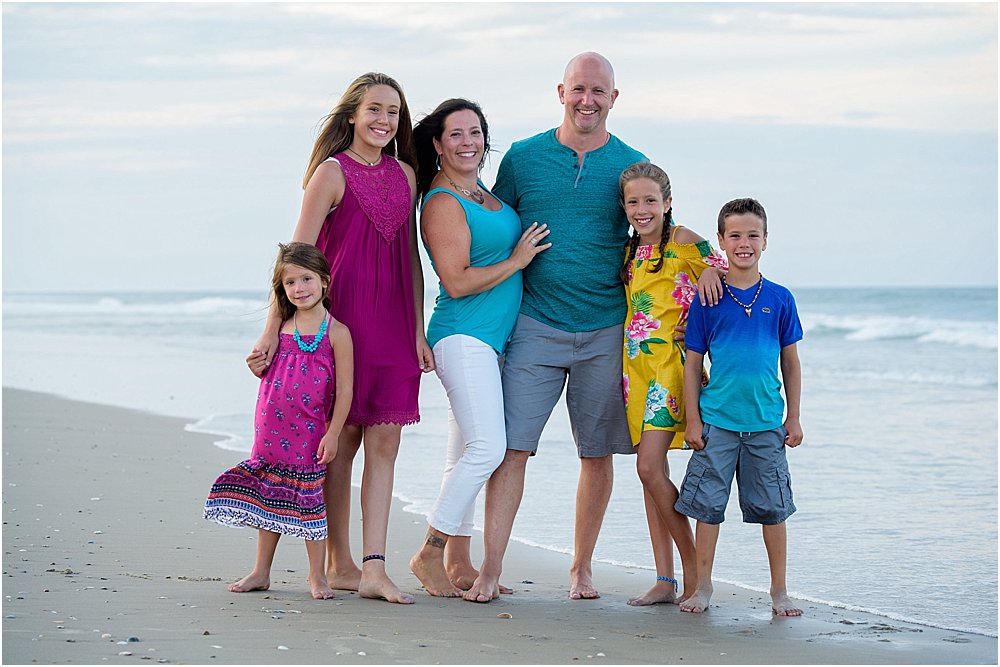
(477, 250)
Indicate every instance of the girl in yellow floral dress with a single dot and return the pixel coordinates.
(661, 271)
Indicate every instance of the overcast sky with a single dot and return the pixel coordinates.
(162, 146)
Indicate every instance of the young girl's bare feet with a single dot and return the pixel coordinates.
(320, 589)
(782, 605)
(698, 602)
(431, 573)
(378, 586)
(251, 582)
(662, 592)
(483, 589)
(346, 580)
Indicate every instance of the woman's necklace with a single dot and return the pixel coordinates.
(309, 347)
(364, 159)
(746, 306)
(475, 195)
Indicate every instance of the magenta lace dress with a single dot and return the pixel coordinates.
(366, 238)
(280, 487)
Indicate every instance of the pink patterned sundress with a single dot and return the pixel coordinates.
(280, 487)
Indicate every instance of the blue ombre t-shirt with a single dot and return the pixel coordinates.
(744, 389)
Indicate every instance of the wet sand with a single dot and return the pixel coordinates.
(107, 560)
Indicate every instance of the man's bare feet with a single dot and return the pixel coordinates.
(431, 573)
(662, 592)
(483, 589)
(698, 602)
(465, 579)
(782, 605)
(581, 586)
(320, 589)
(347, 580)
(378, 586)
(251, 582)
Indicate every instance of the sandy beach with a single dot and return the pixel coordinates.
(107, 560)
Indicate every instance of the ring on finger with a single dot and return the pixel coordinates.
(534, 241)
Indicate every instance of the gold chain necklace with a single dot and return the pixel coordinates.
(364, 159)
(475, 195)
(747, 307)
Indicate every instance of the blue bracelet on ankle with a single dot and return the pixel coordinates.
(673, 581)
(372, 557)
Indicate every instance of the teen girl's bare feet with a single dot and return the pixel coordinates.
(698, 602)
(378, 586)
(782, 605)
(347, 580)
(251, 582)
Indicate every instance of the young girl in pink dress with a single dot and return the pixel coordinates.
(302, 403)
(358, 209)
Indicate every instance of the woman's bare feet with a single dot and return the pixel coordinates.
(782, 605)
(483, 589)
(662, 592)
(431, 573)
(320, 589)
(698, 602)
(251, 582)
(346, 580)
(378, 586)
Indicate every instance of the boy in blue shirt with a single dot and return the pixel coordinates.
(735, 423)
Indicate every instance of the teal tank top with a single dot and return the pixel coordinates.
(488, 316)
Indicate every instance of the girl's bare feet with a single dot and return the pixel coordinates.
(662, 592)
(251, 582)
(465, 579)
(347, 580)
(320, 589)
(377, 586)
(782, 605)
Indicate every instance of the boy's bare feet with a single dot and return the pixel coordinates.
(698, 602)
(782, 605)
(378, 586)
(581, 586)
(483, 589)
(348, 580)
(432, 575)
(251, 582)
(662, 592)
(320, 590)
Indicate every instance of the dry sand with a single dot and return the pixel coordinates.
(104, 543)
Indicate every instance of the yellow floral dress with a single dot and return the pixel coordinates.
(653, 363)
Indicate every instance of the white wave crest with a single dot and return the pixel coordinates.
(115, 307)
(964, 333)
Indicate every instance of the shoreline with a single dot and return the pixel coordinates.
(104, 540)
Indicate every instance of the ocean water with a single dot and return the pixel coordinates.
(896, 481)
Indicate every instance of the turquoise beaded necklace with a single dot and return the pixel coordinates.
(308, 347)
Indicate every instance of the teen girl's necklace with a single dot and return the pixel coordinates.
(475, 195)
(308, 347)
(746, 306)
(364, 159)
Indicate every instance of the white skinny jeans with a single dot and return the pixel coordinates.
(477, 440)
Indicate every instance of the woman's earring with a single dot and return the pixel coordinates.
(437, 162)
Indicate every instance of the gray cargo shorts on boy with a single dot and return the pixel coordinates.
(758, 461)
(539, 361)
